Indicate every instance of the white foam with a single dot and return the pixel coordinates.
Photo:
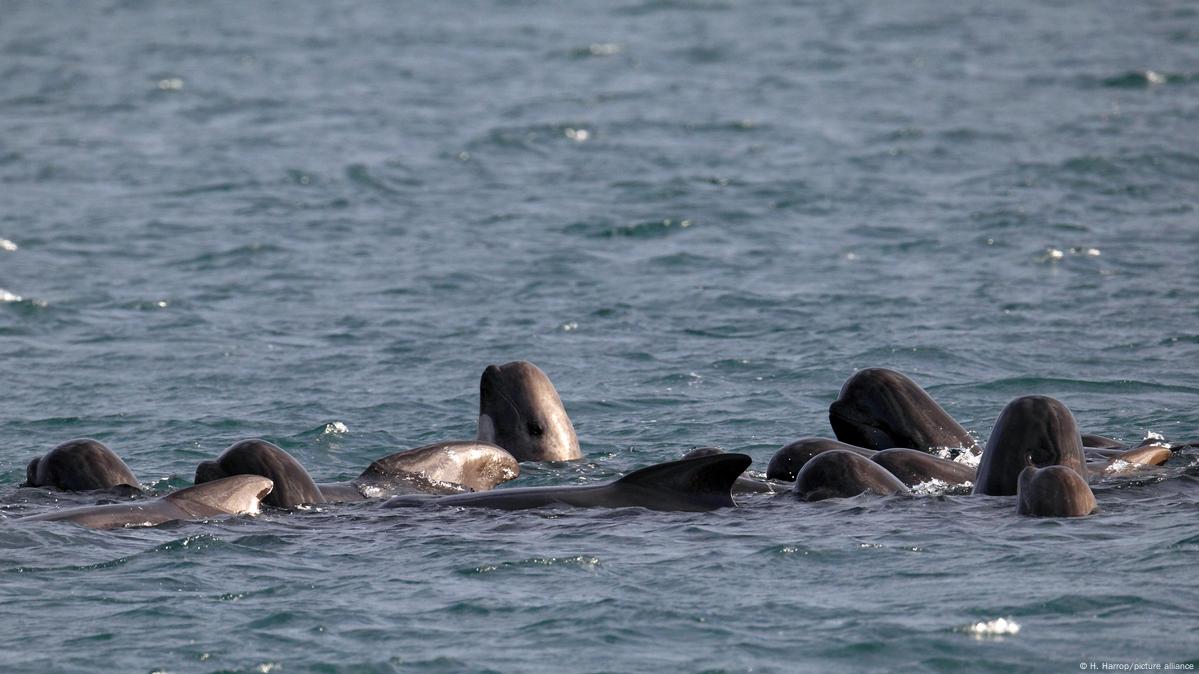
(605, 48)
(6, 296)
(1152, 435)
(958, 455)
(335, 428)
(935, 487)
(930, 487)
(7, 246)
(1119, 466)
(993, 628)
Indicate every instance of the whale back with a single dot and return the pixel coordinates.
(787, 462)
(235, 495)
(843, 474)
(691, 485)
(473, 464)
(697, 483)
(913, 467)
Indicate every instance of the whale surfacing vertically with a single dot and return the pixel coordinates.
(519, 410)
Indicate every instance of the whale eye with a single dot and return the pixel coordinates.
(536, 429)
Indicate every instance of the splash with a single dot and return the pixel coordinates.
(335, 428)
(958, 455)
(992, 628)
(935, 487)
(1119, 466)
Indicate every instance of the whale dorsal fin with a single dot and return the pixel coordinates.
(705, 478)
(236, 495)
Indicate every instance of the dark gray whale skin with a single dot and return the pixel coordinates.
(1031, 431)
(1092, 441)
(237, 495)
(445, 467)
(787, 462)
(743, 485)
(840, 474)
(913, 467)
(880, 409)
(691, 485)
(1053, 491)
(519, 410)
(80, 465)
(293, 486)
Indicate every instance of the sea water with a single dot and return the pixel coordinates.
(317, 223)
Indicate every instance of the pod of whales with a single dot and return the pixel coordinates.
(888, 430)
(438, 468)
(692, 485)
(238, 495)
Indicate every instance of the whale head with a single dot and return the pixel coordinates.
(519, 410)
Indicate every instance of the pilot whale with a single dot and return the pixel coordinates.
(912, 467)
(1034, 431)
(692, 485)
(519, 410)
(238, 495)
(438, 468)
(787, 462)
(879, 408)
(743, 484)
(1053, 491)
(80, 465)
(839, 474)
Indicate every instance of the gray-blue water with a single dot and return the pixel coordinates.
(229, 220)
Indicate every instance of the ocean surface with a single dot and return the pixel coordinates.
(317, 223)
